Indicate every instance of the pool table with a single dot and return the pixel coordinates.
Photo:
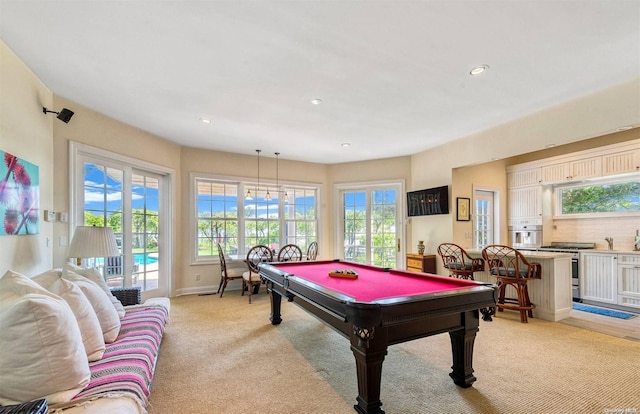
(379, 307)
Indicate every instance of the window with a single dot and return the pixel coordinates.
(300, 217)
(272, 216)
(217, 217)
(602, 197)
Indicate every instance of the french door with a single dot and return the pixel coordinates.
(371, 224)
(110, 190)
(484, 213)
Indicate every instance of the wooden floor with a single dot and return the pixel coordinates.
(622, 328)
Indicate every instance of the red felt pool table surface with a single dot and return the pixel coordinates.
(373, 283)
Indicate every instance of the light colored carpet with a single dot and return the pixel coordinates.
(222, 355)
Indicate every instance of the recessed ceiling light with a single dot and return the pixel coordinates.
(316, 101)
(625, 128)
(478, 70)
(345, 144)
(205, 121)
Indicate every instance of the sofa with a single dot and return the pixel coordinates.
(84, 348)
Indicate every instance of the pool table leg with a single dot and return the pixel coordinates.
(276, 302)
(369, 357)
(462, 349)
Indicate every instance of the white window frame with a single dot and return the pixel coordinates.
(557, 198)
(243, 183)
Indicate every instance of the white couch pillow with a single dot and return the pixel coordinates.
(106, 313)
(42, 352)
(90, 328)
(94, 275)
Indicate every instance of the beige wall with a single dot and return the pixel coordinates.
(27, 133)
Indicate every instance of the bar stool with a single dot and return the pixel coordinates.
(458, 262)
(511, 268)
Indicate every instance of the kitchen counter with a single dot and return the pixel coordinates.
(533, 255)
(614, 251)
(552, 293)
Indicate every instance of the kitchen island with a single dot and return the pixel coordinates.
(552, 293)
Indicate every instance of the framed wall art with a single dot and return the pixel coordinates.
(19, 196)
(463, 209)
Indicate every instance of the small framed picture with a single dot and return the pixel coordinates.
(463, 210)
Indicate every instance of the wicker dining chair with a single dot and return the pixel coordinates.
(226, 274)
(510, 268)
(256, 255)
(458, 262)
(290, 253)
(312, 251)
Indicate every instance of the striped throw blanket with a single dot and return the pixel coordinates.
(129, 362)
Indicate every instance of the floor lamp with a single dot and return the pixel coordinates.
(93, 241)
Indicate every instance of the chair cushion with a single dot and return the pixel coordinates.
(251, 277)
(42, 352)
(235, 272)
(458, 266)
(509, 272)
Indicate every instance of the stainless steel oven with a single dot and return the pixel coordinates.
(574, 249)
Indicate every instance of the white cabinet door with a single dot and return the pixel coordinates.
(558, 173)
(598, 277)
(521, 178)
(573, 170)
(621, 162)
(585, 168)
(525, 206)
(629, 280)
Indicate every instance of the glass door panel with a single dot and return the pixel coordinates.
(145, 232)
(383, 228)
(103, 206)
(355, 226)
(369, 225)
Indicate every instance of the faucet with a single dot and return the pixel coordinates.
(610, 241)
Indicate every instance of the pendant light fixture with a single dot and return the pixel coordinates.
(267, 196)
(249, 196)
(285, 195)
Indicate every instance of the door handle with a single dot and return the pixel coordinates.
(398, 245)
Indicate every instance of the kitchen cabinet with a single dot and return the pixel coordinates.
(598, 276)
(573, 170)
(525, 206)
(621, 162)
(629, 280)
(425, 263)
(615, 159)
(526, 177)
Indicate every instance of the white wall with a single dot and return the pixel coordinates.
(26, 132)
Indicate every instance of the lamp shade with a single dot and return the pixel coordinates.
(93, 241)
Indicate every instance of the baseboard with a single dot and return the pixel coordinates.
(202, 290)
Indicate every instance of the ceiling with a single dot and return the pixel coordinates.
(393, 76)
